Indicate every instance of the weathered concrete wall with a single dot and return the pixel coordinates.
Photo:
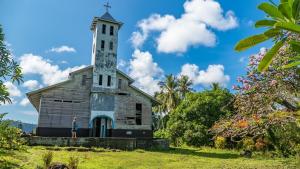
(125, 110)
(116, 143)
(60, 104)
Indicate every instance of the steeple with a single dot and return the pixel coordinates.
(104, 50)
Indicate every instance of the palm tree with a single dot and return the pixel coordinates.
(282, 22)
(215, 86)
(184, 86)
(170, 90)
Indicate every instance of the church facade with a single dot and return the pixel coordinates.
(101, 97)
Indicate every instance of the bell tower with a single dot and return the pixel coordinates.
(104, 50)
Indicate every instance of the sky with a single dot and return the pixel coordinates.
(51, 38)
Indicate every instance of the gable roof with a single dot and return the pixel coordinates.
(34, 96)
(106, 17)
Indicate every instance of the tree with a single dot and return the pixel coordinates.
(282, 22)
(184, 86)
(265, 101)
(9, 70)
(190, 121)
(169, 93)
(10, 137)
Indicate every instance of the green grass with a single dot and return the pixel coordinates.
(175, 158)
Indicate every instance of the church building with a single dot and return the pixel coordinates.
(101, 97)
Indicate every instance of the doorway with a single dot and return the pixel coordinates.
(101, 127)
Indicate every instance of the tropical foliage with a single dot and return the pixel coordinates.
(265, 103)
(173, 90)
(190, 121)
(10, 137)
(9, 70)
(282, 22)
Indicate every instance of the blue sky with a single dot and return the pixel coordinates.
(56, 33)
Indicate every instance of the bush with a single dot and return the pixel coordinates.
(47, 159)
(285, 139)
(220, 142)
(190, 122)
(261, 144)
(248, 144)
(162, 133)
(10, 137)
(73, 162)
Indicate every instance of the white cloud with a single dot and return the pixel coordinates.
(64, 62)
(145, 71)
(24, 102)
(31, 84)
(63, 48)
(192, 28)
(12, 89)
(51, 74)
(213, 74)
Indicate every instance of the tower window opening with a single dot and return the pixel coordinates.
(103, 29)
(108, 80)
(111, 46)
(111, 30)
(102, 44)
(100, 80)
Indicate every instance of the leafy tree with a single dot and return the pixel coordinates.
(282, 22)
(9, 70)
(190, 121)
(265, 101)
(184, 86)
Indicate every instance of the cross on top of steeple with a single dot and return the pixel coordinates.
(107, 6)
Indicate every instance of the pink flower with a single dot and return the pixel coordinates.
(273, 82)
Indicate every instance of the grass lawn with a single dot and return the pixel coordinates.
(175, 158)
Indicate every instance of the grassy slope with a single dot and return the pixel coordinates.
(176, 158)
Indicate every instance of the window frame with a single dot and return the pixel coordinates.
(83, 80)
(102, 44)
(138, 113)
(111, 30)
(111, 46)
(108, 80)
(103, 29)
(100, 80)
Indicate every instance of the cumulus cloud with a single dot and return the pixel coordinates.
(12, 89)
(63, 48)
(192, 28)
(145, 71)
(51, 74)
(213, 74)
(31, 84)
(24, 102)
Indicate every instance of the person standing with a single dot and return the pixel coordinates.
(74, 128)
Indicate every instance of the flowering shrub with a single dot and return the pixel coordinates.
(263, 99)
(220, 142)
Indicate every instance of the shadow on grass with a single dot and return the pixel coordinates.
(8, 165)
(198, 153)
